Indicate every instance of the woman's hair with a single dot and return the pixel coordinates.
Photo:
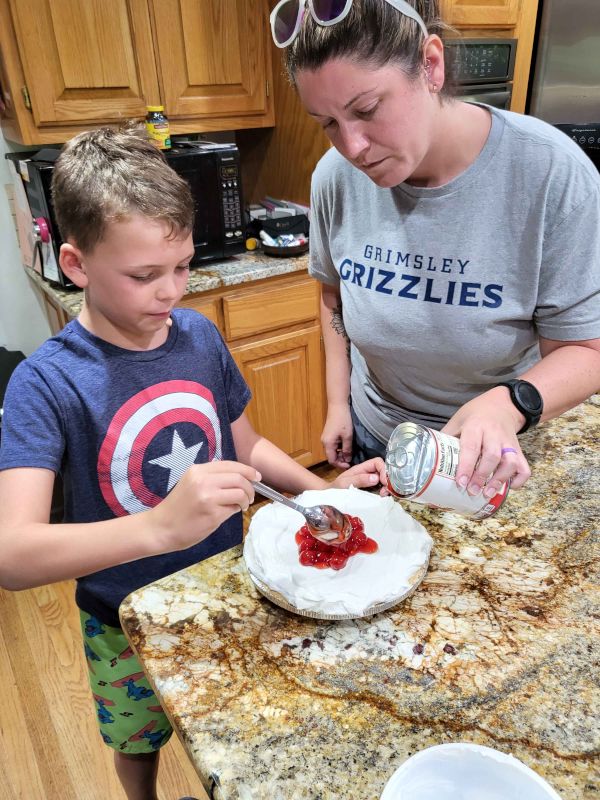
(105, 176)
(373, 33)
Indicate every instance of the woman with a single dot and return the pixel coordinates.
(458, 246)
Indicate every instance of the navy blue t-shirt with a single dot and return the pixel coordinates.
(122, 427)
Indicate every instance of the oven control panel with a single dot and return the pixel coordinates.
(481, 60)
(588, 136)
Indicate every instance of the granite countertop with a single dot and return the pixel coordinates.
(250, 266)
(500, 645)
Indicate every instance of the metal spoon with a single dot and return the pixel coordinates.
(325, 523)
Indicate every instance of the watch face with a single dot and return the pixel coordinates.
(529, 396)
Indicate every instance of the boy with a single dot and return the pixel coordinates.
(141, 408)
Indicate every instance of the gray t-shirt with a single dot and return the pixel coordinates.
(445, 290)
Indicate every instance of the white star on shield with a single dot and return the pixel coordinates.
(179, 460)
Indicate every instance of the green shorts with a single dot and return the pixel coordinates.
(129, 715)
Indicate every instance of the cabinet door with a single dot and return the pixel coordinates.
(212, 56)
(481, 13)
(86, 61)
(285, 376)
(57, 316)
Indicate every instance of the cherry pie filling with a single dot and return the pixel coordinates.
(314, 553)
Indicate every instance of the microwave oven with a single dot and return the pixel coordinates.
(212, 171)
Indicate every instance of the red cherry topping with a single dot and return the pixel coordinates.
(314, 553)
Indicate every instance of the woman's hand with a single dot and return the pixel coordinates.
(362, 476)
(490, 453)
(337, 436)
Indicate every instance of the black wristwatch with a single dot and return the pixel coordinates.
(527, 399)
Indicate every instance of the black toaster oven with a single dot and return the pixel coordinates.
(212, 171)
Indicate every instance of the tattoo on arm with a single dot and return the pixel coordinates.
(337, 323)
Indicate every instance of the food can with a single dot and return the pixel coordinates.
(421, 466)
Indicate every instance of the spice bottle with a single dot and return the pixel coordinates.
(421, 466)
(157, 126)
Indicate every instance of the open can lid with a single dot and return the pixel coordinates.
(408, 458)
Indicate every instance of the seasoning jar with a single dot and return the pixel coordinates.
(421, 466)
(157, 126)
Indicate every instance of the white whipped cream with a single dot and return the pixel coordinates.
(271, 554)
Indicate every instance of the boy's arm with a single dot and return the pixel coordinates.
(34, 552)
(281, 471)
(275, 466)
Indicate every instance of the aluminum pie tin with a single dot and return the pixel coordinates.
(279, 600)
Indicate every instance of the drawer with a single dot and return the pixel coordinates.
(208, 307)
(249, 313)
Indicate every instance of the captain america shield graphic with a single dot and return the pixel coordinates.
(152, 440)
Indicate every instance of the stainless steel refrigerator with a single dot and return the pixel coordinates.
(565, 86)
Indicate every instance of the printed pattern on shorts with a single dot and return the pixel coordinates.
(130, 717)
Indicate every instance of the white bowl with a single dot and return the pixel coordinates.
(464, 771)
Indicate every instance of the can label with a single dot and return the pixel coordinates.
(158, 132)
(437, 485)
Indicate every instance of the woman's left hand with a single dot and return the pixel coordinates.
(362, 476)
(490, 453)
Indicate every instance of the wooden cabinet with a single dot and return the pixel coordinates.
(89, 62)
(212, 57)
(273, 307)
(482, 13)
(284, 373)
(67, 65)
(272, 329)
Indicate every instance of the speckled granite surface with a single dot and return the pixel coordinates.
(251, 266)
(500, 645)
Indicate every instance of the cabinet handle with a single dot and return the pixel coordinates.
(26, 98)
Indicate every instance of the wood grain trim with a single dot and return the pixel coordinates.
(525, 34)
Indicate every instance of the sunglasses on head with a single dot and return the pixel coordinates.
(286, 17)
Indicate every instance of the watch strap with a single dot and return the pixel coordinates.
(532, 416)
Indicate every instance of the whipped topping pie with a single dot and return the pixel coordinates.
(271, 554)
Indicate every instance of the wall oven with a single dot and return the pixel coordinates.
(482, 70)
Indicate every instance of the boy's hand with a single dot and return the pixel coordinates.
(363, 476)
(204, 498)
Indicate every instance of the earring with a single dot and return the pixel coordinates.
(427, 68)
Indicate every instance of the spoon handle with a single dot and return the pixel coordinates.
(272, 494)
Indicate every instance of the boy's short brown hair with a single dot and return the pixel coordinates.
(105, 175)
